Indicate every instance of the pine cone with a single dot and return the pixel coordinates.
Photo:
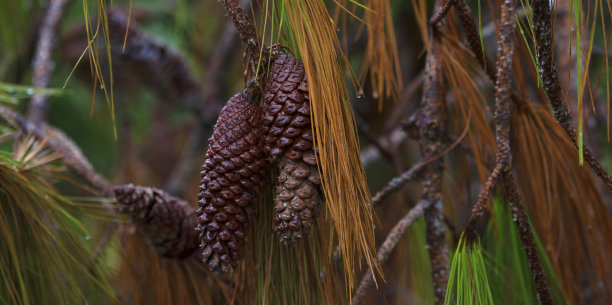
(288, 136)
(286, 121)
(232, 174)
(298, 197)
(169, 223)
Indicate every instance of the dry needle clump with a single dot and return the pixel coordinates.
(232, 175)
(167, 222)
(288, 136)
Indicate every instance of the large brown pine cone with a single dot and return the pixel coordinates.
(232, 174)
(169, 223)
(286, 121)
(288, 136)
(298, 197)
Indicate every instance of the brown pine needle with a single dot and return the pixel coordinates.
(542, 25)
(346, 192)
(381, 60)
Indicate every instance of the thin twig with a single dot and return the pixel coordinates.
(441, 13)
(388, 245)
(473, 37)
(543, 30)
(370, 153)
(397, 183)
(42, 60)
(503, 162)
(364, 130)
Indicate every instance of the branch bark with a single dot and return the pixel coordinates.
(432, 136)
(503, 167)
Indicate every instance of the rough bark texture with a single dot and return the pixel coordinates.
(232, 174)
(432, 129)
(519, 216)
(473, 36)
(503, 159)
(168, 223)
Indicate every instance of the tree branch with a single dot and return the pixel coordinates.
(519, 216)
(503, 160)
(432, 136)
(543, 30)
(42, 60)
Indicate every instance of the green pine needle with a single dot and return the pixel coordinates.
(509, 275)
(468, 282)
(46, 253)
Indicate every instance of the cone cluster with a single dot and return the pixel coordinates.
(168, 223)
(248, 137)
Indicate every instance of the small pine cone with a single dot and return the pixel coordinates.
(168, 222)
(286, 109)
(232, 174)
(298, 197)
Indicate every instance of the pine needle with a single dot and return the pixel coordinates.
(273, 273)
(46, 256)
(94, 56)
(468, 282)
(381, 60)
(571, 226)
(342, 174)
(511, 281)
(148, 279)
(12, 93)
